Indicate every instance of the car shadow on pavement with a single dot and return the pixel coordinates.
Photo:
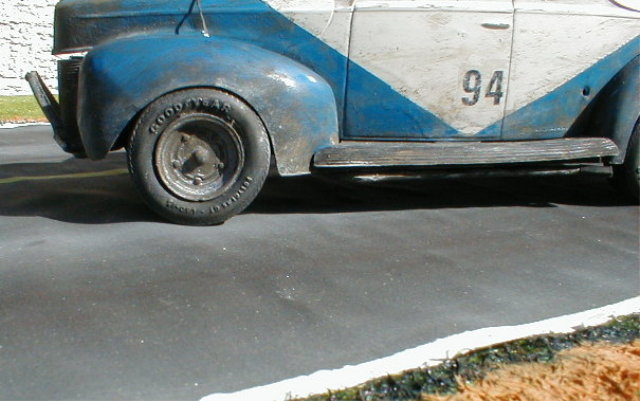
(80, 191)
(331, 195)
(74, 191)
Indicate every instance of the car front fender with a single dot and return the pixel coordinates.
(120, 78)
(618, 108)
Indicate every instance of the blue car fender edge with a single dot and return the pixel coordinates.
(618, 108)
(119, 79)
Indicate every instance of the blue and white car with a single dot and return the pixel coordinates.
(207, 95)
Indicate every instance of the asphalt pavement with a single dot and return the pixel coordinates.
(102, 300)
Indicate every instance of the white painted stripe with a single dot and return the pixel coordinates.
(549, 50)
(329, 20)
(18, 125)
(425, 355)
(424, 48)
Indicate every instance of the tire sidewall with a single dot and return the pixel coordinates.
(169, 109)
(632, 162)
(626, 175)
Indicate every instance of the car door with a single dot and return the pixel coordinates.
(564, 53)
(428, 69)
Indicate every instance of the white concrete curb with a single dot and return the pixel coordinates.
(425, 355)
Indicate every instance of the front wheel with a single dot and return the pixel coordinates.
(199, 156)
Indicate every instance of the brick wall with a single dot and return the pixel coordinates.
(26, 32)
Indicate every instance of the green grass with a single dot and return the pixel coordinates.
(443, 378)
(20, 109)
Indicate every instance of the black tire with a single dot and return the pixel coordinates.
(626, 176)
(199, 156)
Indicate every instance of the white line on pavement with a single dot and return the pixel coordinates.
(19, 125)
(425, 355)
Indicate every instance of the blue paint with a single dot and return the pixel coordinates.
(120, 78)
(249, 39)
(552, 115)
(255, 22)
(616, 109)
(627, 114)
(373, 107)
(375, 110)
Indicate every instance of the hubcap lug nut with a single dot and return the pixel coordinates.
(185, 138)
(176, 164)
(220, 166)
(197, 181)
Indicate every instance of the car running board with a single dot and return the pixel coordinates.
(389, 154)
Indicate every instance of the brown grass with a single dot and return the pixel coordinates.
(598, 372)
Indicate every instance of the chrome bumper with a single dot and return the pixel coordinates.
(48, 104)
(51, 110)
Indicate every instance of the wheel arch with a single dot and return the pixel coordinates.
(120, 78)
(616, 110)
(124, 137)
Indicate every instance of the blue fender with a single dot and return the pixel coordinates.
(120, 78)
(618, 108)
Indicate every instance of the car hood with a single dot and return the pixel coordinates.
(82, 24)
